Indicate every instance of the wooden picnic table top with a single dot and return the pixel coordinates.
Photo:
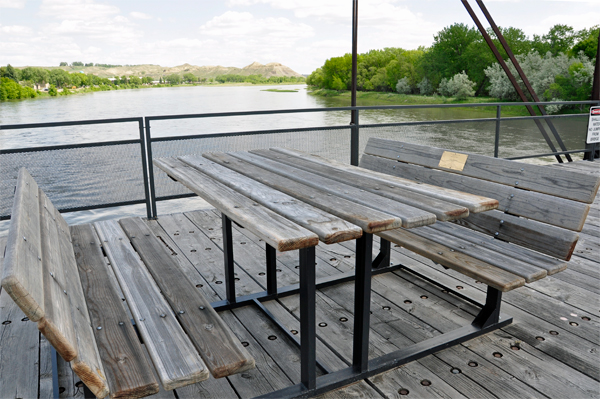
(293, 199)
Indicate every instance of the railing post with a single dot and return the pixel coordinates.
(354, 138)
(497, 138)
(150, 169)
(145, 168)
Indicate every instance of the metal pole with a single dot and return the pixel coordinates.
(228, 258)
(362, 302)
(271, 269)
(512, 57)
(512, 79)
(595, 96)
(308, 325)
(150, 168)
(497, 138)
(145, 169)
(354, 139)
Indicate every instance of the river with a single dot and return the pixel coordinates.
(517, 137)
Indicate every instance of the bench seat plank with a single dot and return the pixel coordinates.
(552, 265)
(57, 324)
(127, 371)
(537, 206)
(538, 236)
(87, 364)
(22, 277)
(329, 228)
(276, 230)
(370, 220)
(20, 340)
(220, 349)
(506, 262)
(553, 181)
(473, 202)
(467, 265)
(443, 211)
(175, 359)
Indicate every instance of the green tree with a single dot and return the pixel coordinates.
(173, 79)
(52, 91)
(64, 64)
(11, 73)
(77, 63)
(135, 81)
(189, 77)
(559, 39)
(59, 77)
(588, 43)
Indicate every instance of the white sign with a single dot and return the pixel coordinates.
(593, 135)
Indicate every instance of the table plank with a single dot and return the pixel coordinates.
(221, 350)
(474, 203)
(443, 210)
(410, 215)
(176, 360)
(370, 220)
(276, 230)
(329, 228)
(127, 371)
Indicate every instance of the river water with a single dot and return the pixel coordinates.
(517, 137)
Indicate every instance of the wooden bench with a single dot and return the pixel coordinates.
(531, 235)
(60, 279)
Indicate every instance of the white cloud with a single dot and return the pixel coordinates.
(85, 10)
(16, 30)
(233, 24)
(12, 3)
(140, 15)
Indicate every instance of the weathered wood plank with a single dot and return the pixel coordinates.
(537, 206)
(538, 236)
(473, 202)
(175, 358)
(370, 220)
(561, 183)
(22, 277)
(127, 371)
(19, 347)
(57, 323)
(329, 228)
(479, 270)
(410, 215)
(220, 349)
(45, 386)
(279, 232)
(87, 364)
(539, 260)
(353, 186)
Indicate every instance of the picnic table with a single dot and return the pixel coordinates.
(294, 205)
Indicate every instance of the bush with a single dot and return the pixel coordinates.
(461, 87)
(444, 89)
(403, 87)
(425, 87)
(52, 91)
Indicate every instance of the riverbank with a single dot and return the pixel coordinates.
(371, 98)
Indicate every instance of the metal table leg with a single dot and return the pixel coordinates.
(362, 302)
(308, 337)
(228, 255)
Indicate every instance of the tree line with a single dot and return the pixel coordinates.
(460, 64)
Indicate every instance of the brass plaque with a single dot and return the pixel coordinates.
(453, 160)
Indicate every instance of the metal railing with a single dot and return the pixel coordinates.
(95, 177)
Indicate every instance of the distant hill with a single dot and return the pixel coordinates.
(156, 71)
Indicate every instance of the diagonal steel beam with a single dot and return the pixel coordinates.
(513, 59)
(511, 77)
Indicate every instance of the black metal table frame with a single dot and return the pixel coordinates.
(488, 319)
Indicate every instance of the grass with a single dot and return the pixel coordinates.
(370, 98)
(281, 91)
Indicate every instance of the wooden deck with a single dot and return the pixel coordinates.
(551, 349)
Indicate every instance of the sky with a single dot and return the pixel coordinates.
(301, 34)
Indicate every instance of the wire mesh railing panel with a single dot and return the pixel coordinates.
(523, 137)
(476, 137)
(77, 177)
(330, 143)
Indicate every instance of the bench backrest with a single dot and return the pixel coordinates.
(40, 274)
(539, 208)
